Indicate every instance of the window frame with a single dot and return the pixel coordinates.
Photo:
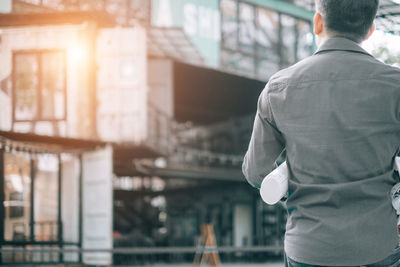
(39, 88)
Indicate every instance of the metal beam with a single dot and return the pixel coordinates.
(54, 18)
(32, 204)
(2, 198)
(64, 144)
(284, 7)
(59, 217)
(80, 208)
(146, 250)
(227, 175)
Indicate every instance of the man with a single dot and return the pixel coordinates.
(336, 118)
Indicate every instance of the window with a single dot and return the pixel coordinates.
(258, 41)
(247, 32)
(289, 42)
(17, 193)
(26, 85)
(39, 86)
(229, 23)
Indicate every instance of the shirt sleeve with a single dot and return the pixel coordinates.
(266, 143)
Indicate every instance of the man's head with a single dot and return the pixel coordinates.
(352, 19)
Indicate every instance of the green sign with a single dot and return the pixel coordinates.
(200, 20)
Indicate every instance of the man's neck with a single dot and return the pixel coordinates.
(322, 39)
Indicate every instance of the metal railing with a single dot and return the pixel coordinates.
(43, 231)
(168, 136)
(159, 130)
(36, 243)
(197, 157)
(139, 256)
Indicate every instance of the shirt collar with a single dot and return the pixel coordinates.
(340, 43)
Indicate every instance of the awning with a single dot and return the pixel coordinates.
(172, 43)
(205, 95)
(27, 142)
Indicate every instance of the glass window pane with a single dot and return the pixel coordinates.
(268, 61)
(288, 40)
(266, 68)
(267, 30)
(70, 198)
(52, 92)
(26, 82)
(17, 196)
(229, 23)
(246, 27)
(230, 59)
(305, 40)
(246, 64)
(46, 198)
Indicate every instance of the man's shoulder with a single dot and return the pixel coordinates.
(390, 70)
(322, 67)
(287, 75)
(379, 70)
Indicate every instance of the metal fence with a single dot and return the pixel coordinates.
(137, 256)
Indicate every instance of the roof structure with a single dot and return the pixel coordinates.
(172, 43)
(28, 142)
(387, 19)
(27, 19)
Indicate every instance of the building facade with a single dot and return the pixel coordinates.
(173, 86)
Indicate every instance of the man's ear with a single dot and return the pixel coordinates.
(318, 23)
(370, 32)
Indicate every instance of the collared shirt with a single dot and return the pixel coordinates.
(336, 115)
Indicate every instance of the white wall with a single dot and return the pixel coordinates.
(122, 84)
(70, 202)
(97, 205)
(66, 38)
(5, 111)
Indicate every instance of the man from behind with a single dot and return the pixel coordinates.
(335, 116)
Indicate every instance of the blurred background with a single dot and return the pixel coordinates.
(123, 124)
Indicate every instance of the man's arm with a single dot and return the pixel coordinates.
(266, 143)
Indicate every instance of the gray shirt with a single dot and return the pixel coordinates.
(337, 115)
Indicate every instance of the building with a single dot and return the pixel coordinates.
(172, 86)
(57, 175)
(49, 188)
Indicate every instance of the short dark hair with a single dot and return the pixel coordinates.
(351, 19)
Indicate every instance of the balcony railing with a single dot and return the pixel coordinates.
(216, 145)
(159, 130)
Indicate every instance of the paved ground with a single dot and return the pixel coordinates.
(267, 264)
(273, 264)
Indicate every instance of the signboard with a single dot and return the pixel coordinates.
(97, 205)
(199, 19)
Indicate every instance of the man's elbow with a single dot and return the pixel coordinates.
(250, 177)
